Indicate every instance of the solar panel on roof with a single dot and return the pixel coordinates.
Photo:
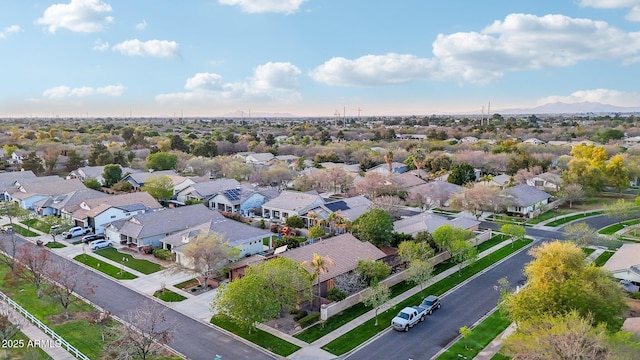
(232, 194)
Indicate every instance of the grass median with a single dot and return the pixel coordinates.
(362, 333)
(603, 258)
(168, 296)
(258, 337)
(317, 331)
(104, 267)
(612, 229)
(570, 218)
(144, 266)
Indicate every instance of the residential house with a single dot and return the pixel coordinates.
(290, 203)
(95, 172)
(344, 250)
(407, 180)
(95, 213)
(434, 194)
(429, 222)
(501, 181)
(244, 199)
(348, 209)
(28, 191)
(18, 156)
(65, 203)
(248, 239)
(137, 180)
(525, 200)
(289, 159)
(259, 158)
(204, 191)
(469, 140)
(148, 229)
(546, 181)
(396, 168)
(9, 179)
(533, 141)
(625, 265)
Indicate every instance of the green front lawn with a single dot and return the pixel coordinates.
(187, 284)
(23, 231)
(570, 218)
(168, 296)
(588, 251)
(481, 336)
(612, 229)
(362, 333)
(55, 245)
(144, 266)
(104, 267)
(603, 258)
(495, 240)
(258, 337)
(23, 351)
(38, 225)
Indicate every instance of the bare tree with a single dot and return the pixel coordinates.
(9, 250)
(350, 282)
(390, 204)
(65, 281)
(209, 253)
(573, 193)
(101, 318)
(144, 332)
(34, 263)
(9, 328)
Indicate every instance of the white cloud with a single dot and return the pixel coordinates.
(520, 42)
(101, 46)
(153, 48)
(273, 81)
(63, 92)
(10, 30)
(142, 25)
(604, 96)
(78, 16)
(372, 70)
(262, 6)
(634, 5)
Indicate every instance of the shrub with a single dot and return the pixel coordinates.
(299, 315)
(309, 319)
(163, 254)
(275, 228)
(286, 240)
(294, 221)
(122, 186)
(335, 294)
(261, 224)
(92, 183)
(316, 232)
(372, 270)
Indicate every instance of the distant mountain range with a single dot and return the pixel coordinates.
(573, 108)
(256, 115)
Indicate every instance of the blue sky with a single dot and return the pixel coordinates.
(313, 57)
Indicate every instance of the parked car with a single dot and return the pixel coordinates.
(76, 231)
(408, 317)
(430, 303)
(100, 244)
(54, 229)
(7, 229)
(89, 238)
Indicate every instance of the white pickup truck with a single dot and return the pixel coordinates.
(408, 317)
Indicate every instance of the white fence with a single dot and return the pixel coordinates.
(57, 338)
(335, 308)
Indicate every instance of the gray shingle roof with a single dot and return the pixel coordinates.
(292, 201)
(235, 233)
(525, 195)
(429, 222)
(207, 189)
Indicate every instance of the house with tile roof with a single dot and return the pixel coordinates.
(290, 203)
(95, 213)
(428, 221)
(348, 208)
(248, 239)
(344, 250)
(525, 200)
(149, 228)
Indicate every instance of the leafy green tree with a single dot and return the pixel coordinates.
(560, 281)
(177, 143)
(159, 187)
(376, 296)
(515, 232)
(568, 336)
(617, 173)
(294, 221)
(270, 140)
(462, 251)
(411, 251)
(372, 271)
(316, 231)
(111, 174)
(32, 162)
(419, 272)
(74, 161)
(585, 173)
(462, 173)
(445, 235)
(99, 155)
(290, 241)
(9, 149)
(206, 148)
(621, 210)
(319, 264)
(162, 161)
(269, 288)
(374, 226)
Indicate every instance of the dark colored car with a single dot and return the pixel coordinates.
(89, 238)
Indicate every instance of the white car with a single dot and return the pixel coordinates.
(100, 244)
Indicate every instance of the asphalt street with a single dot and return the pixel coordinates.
(191, 338)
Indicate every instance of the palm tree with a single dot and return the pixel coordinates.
(320, 264)
(388, 158)
(418, 160)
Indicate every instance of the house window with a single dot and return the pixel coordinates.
(539, 183)
(113, 216)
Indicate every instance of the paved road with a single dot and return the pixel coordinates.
(191, 337)
(462, 307)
